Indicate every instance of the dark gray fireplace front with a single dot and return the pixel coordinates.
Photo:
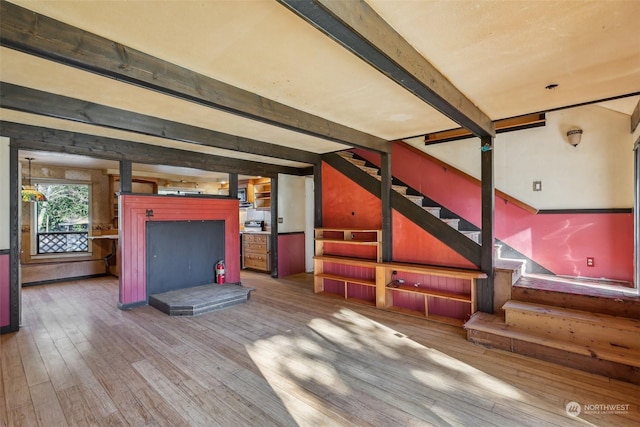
(182, 254)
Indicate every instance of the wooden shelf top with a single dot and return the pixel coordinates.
(355, 230)
(364, 282)
(432, 293)
(349, 242)
(459, 273)
(362, 262)
(350, 299)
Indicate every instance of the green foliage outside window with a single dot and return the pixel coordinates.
(66, 208)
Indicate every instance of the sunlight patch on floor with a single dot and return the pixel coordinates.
(324, 358)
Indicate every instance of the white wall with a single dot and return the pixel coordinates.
(597, 174)
(291, 203)
(4, 193)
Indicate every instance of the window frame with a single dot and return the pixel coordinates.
(34, 221)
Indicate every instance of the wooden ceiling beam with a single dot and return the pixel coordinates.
(26, 31)
(28, 137)
(357, 27)
(34, 101)
(505, 125)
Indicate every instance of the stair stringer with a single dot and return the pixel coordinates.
(508, 252)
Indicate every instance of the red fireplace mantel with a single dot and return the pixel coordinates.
(132, 235)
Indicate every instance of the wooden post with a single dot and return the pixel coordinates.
(126, 178)
(14, 242)
(385, 198)
(233, 185)
(487, 262)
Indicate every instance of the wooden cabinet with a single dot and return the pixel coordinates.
(442, 294)
(262, 194)
(256, 253)
(369, 242)
(351, 277)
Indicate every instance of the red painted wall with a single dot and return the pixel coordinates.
(341, 197)
(132, 242)
(558, 242)
(291, 254)
(5, 292)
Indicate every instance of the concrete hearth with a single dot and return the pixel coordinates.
(200, 299)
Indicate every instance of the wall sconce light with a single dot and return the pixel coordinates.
(574, 136)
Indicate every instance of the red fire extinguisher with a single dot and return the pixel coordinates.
(220, 270)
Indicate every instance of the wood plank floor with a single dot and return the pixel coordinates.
(287, 357)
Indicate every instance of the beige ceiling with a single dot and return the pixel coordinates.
(500, 54)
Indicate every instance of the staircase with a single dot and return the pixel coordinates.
(602, 337)
(417, 199)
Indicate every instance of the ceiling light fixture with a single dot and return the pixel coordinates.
(574, 136)
(29, 193)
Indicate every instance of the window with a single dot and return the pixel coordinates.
(61, 223)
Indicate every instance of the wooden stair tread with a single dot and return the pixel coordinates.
(337, 277)
(596, 319)
(621, 355)
(509, 264)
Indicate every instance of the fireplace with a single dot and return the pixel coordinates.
(138, 210)
(182, 254)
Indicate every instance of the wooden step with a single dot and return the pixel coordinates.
(433, 210)
(473, 235)
(619, 363)
(370, 171)
(400, 189)
(515, 266)
(553, 291)
(451, 222)
(581, 327)
(415, 199)
(356, 162)
(345, 154)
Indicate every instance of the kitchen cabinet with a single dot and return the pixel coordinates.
(256, 251)
(262, 194)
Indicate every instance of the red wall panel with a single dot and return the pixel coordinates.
(291, 254)
(5, 292)
(132, 246)
(347, 205)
